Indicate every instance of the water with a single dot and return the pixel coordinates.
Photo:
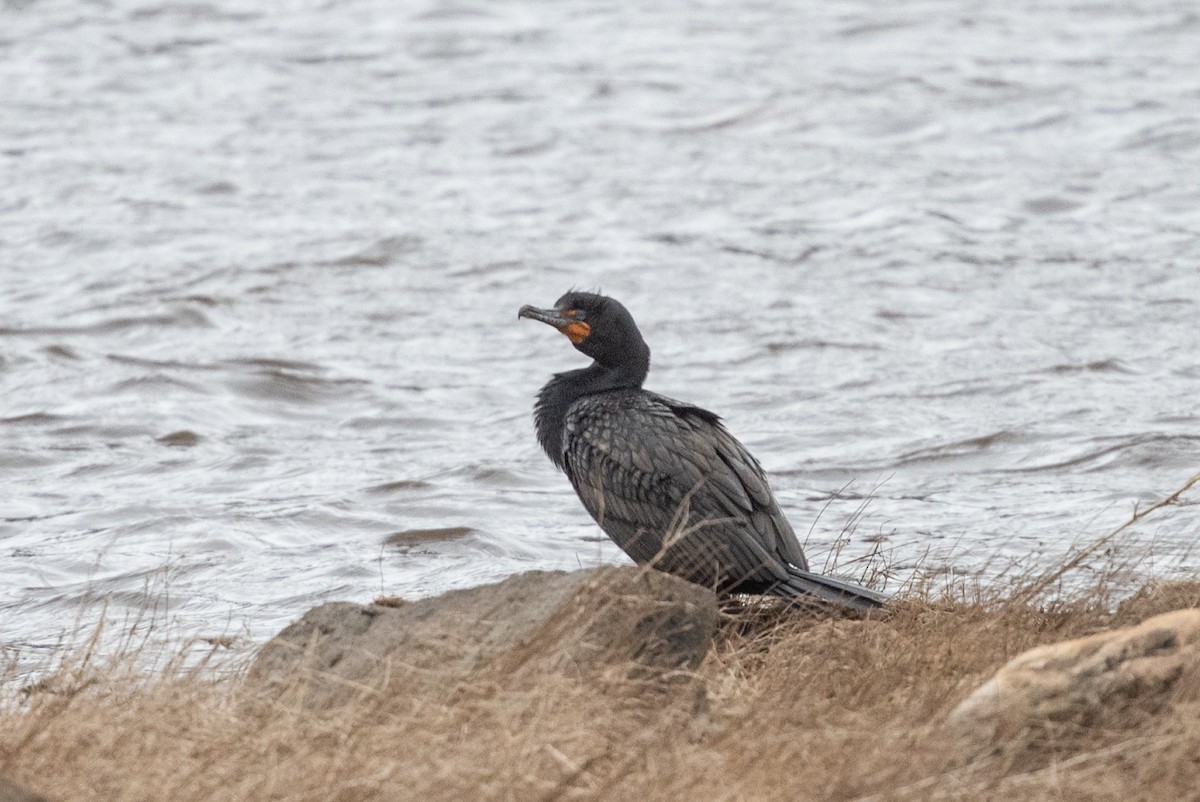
(261, 263)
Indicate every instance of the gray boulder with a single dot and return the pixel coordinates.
(640, 624)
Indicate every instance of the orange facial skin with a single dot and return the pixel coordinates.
(576, 332)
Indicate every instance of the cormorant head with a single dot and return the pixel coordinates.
(599, 326)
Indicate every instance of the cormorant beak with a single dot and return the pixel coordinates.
(576, 330)
(552, 316)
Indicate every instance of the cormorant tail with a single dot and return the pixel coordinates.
(801, 584)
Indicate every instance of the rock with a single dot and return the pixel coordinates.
(642, 624)
(11, 792)
(1104, 680)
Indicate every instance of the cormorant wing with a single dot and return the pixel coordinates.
(637, 459)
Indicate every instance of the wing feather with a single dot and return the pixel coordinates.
(645, 465)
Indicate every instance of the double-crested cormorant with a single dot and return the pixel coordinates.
(664, 479)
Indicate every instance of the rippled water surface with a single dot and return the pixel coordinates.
(261, 264)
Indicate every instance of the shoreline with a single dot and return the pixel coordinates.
(588, 703)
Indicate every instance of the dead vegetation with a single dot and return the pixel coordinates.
(787, 705)
(794, 706)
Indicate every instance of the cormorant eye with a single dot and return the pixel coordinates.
(578, 314)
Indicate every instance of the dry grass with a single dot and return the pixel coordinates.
(788, 705)
(795, 706)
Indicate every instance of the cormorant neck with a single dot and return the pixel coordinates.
(564, 389)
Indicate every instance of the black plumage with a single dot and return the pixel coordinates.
(665, 479)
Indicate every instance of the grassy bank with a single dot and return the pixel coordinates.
(787, 705)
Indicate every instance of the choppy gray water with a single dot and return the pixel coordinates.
(261, 263)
